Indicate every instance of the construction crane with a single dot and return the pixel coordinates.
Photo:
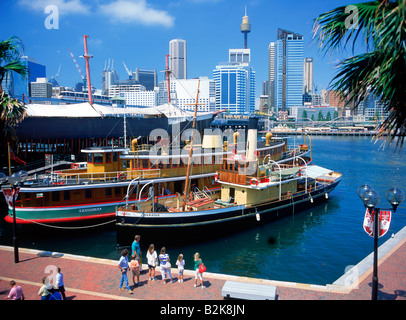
(129, 72)
(76, 64)
(57, 75)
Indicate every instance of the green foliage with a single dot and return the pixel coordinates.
(380, 71)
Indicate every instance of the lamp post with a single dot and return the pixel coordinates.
(371, 199)
(15, 179)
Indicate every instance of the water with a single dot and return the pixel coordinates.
(313, 246)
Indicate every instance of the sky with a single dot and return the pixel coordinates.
(138, 32)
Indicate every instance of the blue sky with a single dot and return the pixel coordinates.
(138, 32)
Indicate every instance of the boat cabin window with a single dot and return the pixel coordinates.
(90, 157)
(66, 195)
(115, 156)
(108, 192)
(108, 157)
(55, 196)
(88, 193)
(98, 158)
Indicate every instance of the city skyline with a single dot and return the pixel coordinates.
(138, 32)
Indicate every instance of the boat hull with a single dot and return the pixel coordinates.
(172, 227)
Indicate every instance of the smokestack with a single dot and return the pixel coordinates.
(252, 139)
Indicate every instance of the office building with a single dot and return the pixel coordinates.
(41, 88)
(140, 98)
(183, 94)
(147, 77)
(308, 75)
(235, 88)
(109, 78)
(125, 86)
(271, 76)
(16, 86)
(178, 58)
(286, 66)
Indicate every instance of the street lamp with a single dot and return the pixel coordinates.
(15, 179)
(371, 199)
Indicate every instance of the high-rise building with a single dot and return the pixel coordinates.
(308, 75)
(235, 88)
(287, 56)
(109, 78)
(16, 86)
(271, 76)
(178, 58)
(41, 88)
(147, 77)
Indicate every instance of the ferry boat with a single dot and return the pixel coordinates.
(252, 190)
(92, 190)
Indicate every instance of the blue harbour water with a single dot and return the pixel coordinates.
(312, 246)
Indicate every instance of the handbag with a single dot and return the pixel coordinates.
(202, 267)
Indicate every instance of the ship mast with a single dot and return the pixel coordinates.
(87, 57)
(191, 149)
(167, 71)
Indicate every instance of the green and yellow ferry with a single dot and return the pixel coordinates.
(92, 190)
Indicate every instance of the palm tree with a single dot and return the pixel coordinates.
(12, 110)
(381, 70)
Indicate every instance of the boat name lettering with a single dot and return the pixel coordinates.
(90, 210)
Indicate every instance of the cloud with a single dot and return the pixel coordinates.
(64, 6)
(136, 11)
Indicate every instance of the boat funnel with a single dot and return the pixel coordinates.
(212, 139)
(252, 139)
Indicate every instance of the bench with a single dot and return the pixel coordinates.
(248, 291)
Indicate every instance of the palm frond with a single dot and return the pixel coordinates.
(382, 70)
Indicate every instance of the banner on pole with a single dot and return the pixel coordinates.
(384, 217)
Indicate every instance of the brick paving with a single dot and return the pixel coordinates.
(98, 279)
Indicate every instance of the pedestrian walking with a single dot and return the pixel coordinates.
(16, 292)
(136, 251)
(123, 266)
(152, 259)
(60, 285)
(43, 291)
(165, 264)
(181, 266)
(198, 261)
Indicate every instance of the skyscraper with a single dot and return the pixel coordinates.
(271, 76)
(308, 75)
(287, 55)
(109, 77)
(16, 86)
(178, 58)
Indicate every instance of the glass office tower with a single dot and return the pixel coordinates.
(288, 57)
(235, 88)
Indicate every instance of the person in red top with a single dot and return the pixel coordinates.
(16, 292)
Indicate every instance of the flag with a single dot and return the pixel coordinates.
(15, 158)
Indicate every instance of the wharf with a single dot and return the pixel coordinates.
(89, 278)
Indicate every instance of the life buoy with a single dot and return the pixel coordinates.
(216, 177)
(122, 176)
(254, 182)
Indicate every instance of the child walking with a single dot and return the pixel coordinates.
(181, 266)
(135, 270)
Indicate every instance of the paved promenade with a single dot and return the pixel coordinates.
(98, 279)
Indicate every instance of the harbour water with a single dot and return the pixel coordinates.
(312, 246)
